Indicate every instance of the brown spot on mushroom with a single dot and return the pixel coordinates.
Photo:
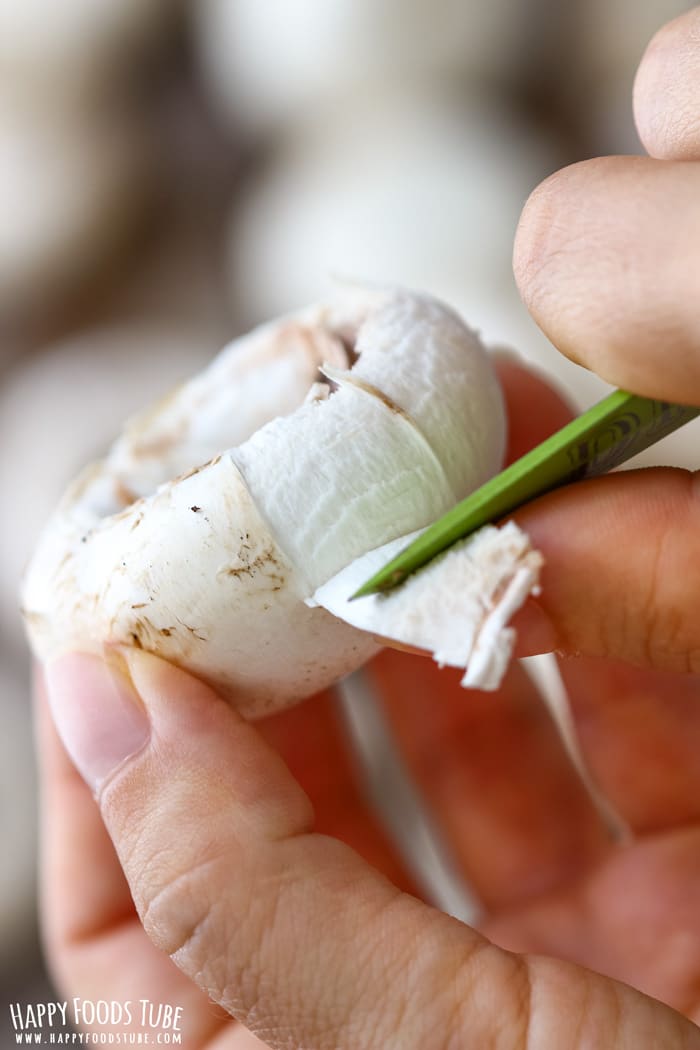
(266, 562)
(193, 631)
(128, 511)
(146, 632)
(195, 509)
(158, 446)
(369, 388)
(66, 557)
(123, 494)
(188, 474)
(347, 339)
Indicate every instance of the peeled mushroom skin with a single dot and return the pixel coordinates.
(210, 529)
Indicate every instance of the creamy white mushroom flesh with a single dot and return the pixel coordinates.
(225, 569)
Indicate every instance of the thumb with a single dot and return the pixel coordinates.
(290, 931)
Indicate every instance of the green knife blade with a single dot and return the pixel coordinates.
(608, 434)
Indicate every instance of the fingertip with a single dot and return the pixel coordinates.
(605, 260)
(533, 235)
(201, 746)
(557, 237)
(666, 94)
(558, 228)
(164, 687)
(96, 712)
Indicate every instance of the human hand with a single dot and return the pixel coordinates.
(237, 896)
(607, 258)
(297, 933)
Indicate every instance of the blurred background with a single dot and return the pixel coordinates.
(171, 173)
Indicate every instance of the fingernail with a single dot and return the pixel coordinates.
(97, 713)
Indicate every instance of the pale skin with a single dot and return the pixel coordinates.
(237, 863)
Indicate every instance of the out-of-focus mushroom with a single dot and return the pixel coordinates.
(71, 193)
(268, 64)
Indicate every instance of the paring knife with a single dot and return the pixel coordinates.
(603, 437)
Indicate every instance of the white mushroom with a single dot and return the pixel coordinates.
(269, 64)
(222, 570)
